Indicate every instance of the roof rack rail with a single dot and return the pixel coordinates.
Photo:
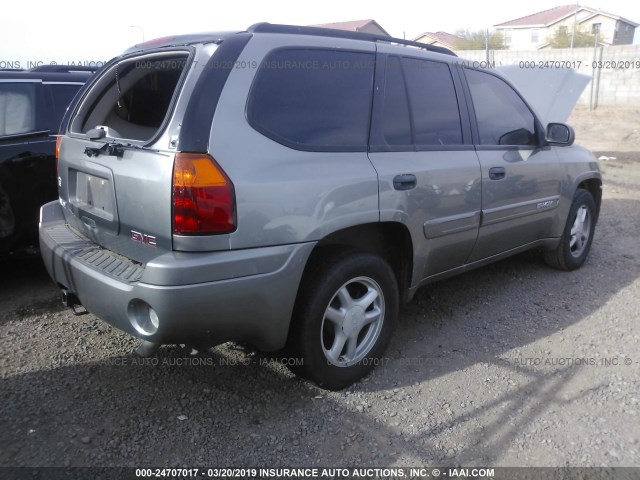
(265, 27)
(64, 68)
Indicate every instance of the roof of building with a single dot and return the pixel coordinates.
(353, 25)
(553, 15)
(442, 37)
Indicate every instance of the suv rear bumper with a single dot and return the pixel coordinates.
(245, 295)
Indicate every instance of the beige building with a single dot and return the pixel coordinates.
(366, 26)
(439, 39)
(534, 31)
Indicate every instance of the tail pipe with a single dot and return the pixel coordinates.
(70, 300)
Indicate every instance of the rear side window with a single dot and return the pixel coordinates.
(420, 104)
(134, 97)
(503, 118)
(433, 101)
(17, 108)
(396, 123)
(314, 99)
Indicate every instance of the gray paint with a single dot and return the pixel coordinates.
(244, 295)
(510, 213)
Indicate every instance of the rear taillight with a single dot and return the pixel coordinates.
(203, 197)
(58, 143)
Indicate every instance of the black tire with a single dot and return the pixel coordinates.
(332, 283)
(575, 243)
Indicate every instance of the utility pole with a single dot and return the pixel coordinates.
(596, 27)
(486, 46)
(575, 19)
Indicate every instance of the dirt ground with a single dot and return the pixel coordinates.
(614, 137)
(605, 129)
(515, 364)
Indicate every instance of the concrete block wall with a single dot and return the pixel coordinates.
(615, 74)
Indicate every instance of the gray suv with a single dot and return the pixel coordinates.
(289, 187)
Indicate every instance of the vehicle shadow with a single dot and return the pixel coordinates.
(237, 408)
(25, 286)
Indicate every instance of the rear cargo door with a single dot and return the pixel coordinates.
(115, 164)
(122, 203)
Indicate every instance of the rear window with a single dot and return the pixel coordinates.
(133, 98)
(314, 99)
(17, 108)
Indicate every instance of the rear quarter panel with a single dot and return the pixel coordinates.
(285, 195)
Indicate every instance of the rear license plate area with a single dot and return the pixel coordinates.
(94, 194)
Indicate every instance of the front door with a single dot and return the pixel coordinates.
(521, 175)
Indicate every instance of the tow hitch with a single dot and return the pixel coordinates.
(70, 300)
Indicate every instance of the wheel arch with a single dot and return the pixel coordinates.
(390, 240)
(593, 185)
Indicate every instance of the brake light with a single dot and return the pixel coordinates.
(203, 196)
(58, 143)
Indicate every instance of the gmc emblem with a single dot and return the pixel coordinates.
(143, 238)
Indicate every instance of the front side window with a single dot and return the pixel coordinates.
(503, 118)
(17, 108)
(314, 99)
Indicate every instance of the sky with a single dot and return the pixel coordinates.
(84, 31)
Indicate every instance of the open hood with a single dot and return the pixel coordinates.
(552, 92)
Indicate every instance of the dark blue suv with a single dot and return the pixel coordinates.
(32, 103)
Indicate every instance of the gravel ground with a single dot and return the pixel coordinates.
(515, 364)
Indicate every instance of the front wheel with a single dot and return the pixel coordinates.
(576, 239)
(344, 318)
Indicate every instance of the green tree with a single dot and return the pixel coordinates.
(476, 40)
(562, 38)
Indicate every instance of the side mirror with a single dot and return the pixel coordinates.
(560, 134)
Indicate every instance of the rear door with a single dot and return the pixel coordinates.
(427, 168)
(521, 175)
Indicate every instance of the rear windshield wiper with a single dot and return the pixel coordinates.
(115, 149)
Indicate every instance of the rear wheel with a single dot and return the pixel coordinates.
(344, 318)
(576, 239)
